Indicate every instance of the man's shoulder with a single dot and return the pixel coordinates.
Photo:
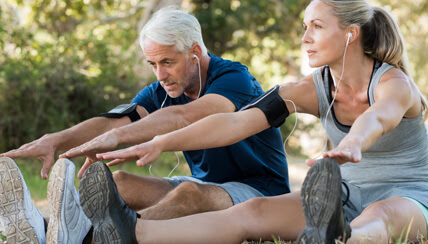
(220, 67)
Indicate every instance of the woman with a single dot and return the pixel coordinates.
(375, 124)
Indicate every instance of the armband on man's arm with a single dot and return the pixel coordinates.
(272, 105)
(123, 110)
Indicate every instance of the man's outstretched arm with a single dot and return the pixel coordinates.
(160, 122)
(45, 147)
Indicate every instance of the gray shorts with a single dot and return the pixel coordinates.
(239, 192)
(361, 197)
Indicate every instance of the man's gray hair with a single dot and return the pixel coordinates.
(170, 26)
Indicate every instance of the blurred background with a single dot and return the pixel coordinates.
(65, 61)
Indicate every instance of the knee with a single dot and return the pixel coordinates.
(187, 191)
(254, 208)
(379, 209)
(381, 212)
(120, 177)
(252, 211)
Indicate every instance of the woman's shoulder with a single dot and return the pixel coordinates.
(394, 74)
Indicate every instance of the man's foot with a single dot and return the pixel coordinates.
(67, 221)
(322, 204)
(22, 220)
(113, 220)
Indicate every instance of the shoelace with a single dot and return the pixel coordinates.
(347, 194)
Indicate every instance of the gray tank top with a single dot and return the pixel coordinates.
(399, 156)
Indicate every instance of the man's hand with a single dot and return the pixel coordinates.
(103, 143)
(43, 149)
(346, 151)
(144, 153)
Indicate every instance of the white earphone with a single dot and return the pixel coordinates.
(349, 37)
(194, 55)
(329, 107)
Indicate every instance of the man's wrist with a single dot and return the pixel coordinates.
(54, 140)
(119, 135)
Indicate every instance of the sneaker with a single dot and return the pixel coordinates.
(67, 221)
(22, 221)
(113, 220)
(322, 205)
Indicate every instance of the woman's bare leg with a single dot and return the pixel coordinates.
(375, 222)
(259, 218)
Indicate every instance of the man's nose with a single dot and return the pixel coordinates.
(161, 74)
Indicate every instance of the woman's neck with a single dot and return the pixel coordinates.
(357, 70)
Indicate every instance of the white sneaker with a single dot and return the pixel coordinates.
(67, 222)
(23, 222)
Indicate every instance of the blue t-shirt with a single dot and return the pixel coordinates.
(258, 161)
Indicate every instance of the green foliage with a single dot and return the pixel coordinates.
(399, 239)
(65, 61)
(264, 35)
(55, 72)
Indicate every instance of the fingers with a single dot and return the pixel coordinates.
(85, 166)
(116, 161)
(127, 153)
(147, 159)
(343, 155)
(19, 153)
(48, 161)
(310, 162)
(74, 152)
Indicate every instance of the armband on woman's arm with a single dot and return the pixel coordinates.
(272, 105)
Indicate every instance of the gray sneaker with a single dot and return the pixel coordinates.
(114, 222)
(322, 204)
(67, 222)
(23, 222)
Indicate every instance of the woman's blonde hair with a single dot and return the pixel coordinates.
(381, 37)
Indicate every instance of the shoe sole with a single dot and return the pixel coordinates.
(320, 193)
(95, 195)
(12, 186)
(64, 208)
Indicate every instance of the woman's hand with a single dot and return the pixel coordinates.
(349, 150)
(144, 153)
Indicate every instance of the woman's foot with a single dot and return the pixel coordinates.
(322, 204)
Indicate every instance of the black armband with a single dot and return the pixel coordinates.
(120, 111)
(272, 105)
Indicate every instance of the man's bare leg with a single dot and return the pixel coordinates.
(158, 199)
(188, 198)
(141, 192)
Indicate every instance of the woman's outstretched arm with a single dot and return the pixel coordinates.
(395, 97)
(219, 129)
(213, 131)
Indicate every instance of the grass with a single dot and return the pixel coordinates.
(30, 169)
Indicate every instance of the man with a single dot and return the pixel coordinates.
(192, 84)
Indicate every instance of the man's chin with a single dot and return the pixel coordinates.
(173, 94)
